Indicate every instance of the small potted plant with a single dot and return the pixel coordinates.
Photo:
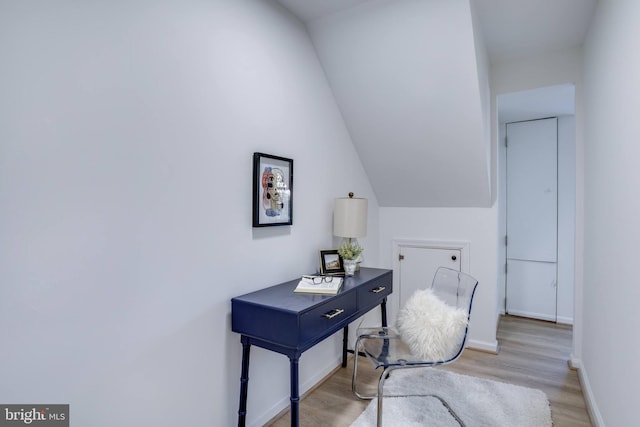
(350, 252)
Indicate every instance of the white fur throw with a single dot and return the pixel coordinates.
(432, 329)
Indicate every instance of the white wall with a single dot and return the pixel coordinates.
(126, 136)
(612, 208)
(478, 226)
(484, 69)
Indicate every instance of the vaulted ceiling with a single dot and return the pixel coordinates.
(411, 78)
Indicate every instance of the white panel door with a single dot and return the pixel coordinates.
(419, 265)
(532, 218)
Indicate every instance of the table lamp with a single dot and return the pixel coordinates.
(350, 218)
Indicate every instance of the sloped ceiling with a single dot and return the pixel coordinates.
(518, 29)
(411, 80)
(405, 76)
(308, 10)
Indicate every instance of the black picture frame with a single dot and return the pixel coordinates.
(272, 190)
(331, 263)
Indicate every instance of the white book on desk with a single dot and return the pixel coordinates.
(319, 285)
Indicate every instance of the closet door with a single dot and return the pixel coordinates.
(532, 218)
(418, 265)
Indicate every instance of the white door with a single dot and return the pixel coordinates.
(532, 218)
(418, 265)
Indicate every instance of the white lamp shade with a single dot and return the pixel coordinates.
(350, 217)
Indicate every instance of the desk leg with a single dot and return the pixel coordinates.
(295, 393)
(345, 342)
(244, 381)
(383, 309)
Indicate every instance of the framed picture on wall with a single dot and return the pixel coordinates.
(331, 262)
(272, 190)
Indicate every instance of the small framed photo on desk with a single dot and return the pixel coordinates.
(331, 262)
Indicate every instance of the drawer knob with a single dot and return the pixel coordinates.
(333, 313)
(378, 289)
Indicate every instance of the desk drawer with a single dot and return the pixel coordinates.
(318, 321)
(372, 293)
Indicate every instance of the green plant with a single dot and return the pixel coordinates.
(350, 250)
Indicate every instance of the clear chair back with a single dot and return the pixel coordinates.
(454, 287)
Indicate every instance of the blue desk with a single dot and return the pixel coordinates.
(289, 323)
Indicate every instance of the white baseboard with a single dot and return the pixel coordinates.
(533, 315)
(592, 406)
(574, 362)
(489, 347)
(559, 319)
(564, 320)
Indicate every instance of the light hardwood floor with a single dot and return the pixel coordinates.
(532, 354)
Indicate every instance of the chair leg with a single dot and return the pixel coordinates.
(451, 411)
(354, 378)
(383, 377)
(385, 374)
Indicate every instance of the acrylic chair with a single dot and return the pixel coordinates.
(386, 348)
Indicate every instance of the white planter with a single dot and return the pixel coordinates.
(350, 266)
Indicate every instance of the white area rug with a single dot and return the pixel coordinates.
(477, 401)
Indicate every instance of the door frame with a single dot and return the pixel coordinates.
(506, 98)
